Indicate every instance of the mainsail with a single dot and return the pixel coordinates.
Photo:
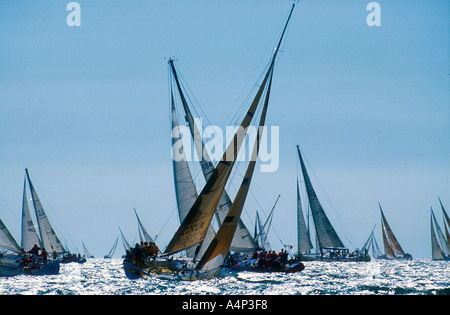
(242, 240)
(50, 240)
(326, 234)
(29, 234)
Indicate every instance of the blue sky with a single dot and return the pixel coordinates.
(86, 110)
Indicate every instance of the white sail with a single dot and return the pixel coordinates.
(185, 190)
(7, 240)
(50, 240)
(29, 234)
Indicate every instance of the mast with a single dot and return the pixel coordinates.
(326, 234)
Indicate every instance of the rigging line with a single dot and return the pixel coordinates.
(190, 95)
(9, 208)
(264, 56)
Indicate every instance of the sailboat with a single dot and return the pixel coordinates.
(372, 243)
(392, 248)
(21, 262)
(112, 250)
(87, 254)
(194, 228)
(330, 247)
(440, 244)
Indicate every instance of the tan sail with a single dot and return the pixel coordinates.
(394, 244)
(194, 227)
(387, 247)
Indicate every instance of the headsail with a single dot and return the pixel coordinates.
(303, 240)
(326, 234)
(50, 240)
(29, 234)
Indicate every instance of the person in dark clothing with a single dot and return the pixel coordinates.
(44, 256)
(34, 250)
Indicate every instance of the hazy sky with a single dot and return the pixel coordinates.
(86, 110)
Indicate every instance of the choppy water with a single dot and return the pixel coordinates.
(106, 277)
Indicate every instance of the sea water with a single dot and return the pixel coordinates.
(378, 277)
